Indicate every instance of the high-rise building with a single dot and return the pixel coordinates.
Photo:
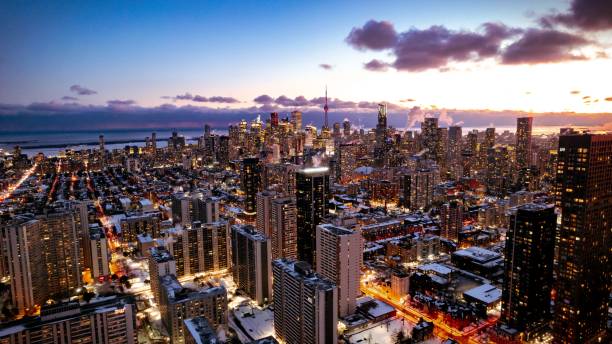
(528, 276)
(190, 207)
(418, 187)
(105, 321)
(250, 183)
(60, 234)
(21, 262)
(296, 119)
(179, 302)
(97, 255)
(348, 154)
(346, 128)
(523, 142)
(161, 263)
(264, 211)
(584, 196)
(430, 138)
(200, 248)
(500, 170)
(305, 304)
(451, 220)
(312, 195)
(251, 263)
(284, 228)
(339, 258)
(380, 147)
(142, 223)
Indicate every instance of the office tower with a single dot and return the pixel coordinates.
(264, 211)
(339, 259)
(179, 302)
(206, 130)
(346, 127)
(418, 187)
(336, 133)
(523, 142)
(61, 252)
(250, 183)
(105, 321)
(96, 252)
(296, 120)
(451, 220)
(348, 154)
(154, 142)
(284, 228)
(21, 262)
(251, 263)
(500, 170)
(454, 143)
(380, 147)
(489, 140)
(312, 195)
(472, 142)
(430, 138)
(274, 119)
(101, 143)
(584, 196)
(528, 275)
(305, 304)
(135, 224)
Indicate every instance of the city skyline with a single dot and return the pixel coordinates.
(190, 64)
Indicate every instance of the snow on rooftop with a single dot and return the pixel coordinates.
(435, 267)
(486, 293)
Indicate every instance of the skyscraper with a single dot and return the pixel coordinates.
(312, 195)
(251, 263)
(61, 251)
(250, 182)
(21, 262)
(584, 196)
(430, 138)
(380, 148)
(264, 211)
(305, 304)
(340, 253)
(523, 142)
(284, 228)
(451, 220)
(296, 119)
(528, 274)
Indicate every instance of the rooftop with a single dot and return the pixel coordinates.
(486, 293)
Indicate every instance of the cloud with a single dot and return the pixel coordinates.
(407, 100)
(202, 99)
(590, 15)
(609, 99)
(263, 99)
(59, 116)
(434, 47)
(416, 114)
(220, 99)
(69, 98)
(298, 101)
(82, 91)
(118, 102)
(374, 35)
(326, 66)
(575, 92)
(376, 66)
(586, 97)
(544, 46)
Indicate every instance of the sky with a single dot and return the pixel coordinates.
(200, 59)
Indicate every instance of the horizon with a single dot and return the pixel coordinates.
(110, 64)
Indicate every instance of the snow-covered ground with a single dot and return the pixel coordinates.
(384, 332)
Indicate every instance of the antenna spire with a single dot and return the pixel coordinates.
(326, 108)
